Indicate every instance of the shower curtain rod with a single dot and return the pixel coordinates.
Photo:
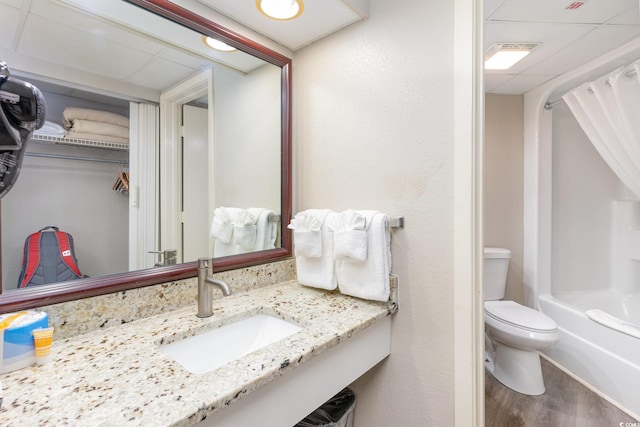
(549, 105)
(86, 159)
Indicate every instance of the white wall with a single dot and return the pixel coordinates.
(247, 138)
(583, 187)
(503, 185)
(373, 115)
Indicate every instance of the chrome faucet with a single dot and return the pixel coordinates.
(205, 283)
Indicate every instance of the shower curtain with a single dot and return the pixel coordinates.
(608, 110)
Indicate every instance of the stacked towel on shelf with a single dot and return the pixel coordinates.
(314, 248)
(84, 123)
(50, 129)
(350, 250)
(236, 230)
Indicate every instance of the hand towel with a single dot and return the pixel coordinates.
(267, 228)
(350, 235)
(369, 279)
(319, 272)
(245, 231)
(307, 235)
(222, 225)
(226, 216)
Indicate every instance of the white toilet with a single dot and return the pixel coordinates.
(515, 333)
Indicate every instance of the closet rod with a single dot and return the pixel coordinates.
(86, 159)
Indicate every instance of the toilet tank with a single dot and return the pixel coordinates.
(496, 264)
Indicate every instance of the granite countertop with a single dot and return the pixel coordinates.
(119, 376)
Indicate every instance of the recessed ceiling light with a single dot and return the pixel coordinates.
(502, 56)
(217, 44)
(280, 9)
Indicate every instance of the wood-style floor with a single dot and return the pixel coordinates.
(566, 403)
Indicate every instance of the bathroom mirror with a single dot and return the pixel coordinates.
(138, 30)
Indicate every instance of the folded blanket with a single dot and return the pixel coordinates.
(100, 128)
(73, 113)
(95, 137)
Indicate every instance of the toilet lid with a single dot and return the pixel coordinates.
(519, 316)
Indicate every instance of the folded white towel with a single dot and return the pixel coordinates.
(72, 113)
(50, 129)
(369, 279)
(267, 228)
(99, 128)
(245, 237)
(222, 225)
(245, 231)
(350, 235)
(307, 235)
(318, 272)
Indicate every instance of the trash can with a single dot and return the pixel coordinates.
(335, 412)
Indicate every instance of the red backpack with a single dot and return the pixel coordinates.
(49, 257)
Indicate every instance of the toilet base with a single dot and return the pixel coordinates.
(520, 370)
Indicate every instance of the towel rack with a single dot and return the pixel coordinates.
(396, 222)
(394, 298)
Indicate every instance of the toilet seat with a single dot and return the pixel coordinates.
(519, 316)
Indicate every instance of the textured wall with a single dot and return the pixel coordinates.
(373, 117)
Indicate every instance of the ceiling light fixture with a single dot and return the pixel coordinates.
(282, 10)
(502, 56)
(217, 44)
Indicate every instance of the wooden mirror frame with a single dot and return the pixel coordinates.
(84, 288)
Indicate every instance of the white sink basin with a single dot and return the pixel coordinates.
(209, 350)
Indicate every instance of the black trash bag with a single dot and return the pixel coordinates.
(331, 411)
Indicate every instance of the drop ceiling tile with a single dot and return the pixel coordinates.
(88, 52)
(592, 45)
(490, 6)
(592, 11)
(184, 58)
(9, 19)
(521, 83)
(628, 17)
(87, 26)
(13, 3)
(492, 81)
(320, 18)
(148, 76)
(552, 38)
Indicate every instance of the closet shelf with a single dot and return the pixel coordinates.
(56, 140)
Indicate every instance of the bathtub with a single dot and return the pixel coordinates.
(603, 358)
